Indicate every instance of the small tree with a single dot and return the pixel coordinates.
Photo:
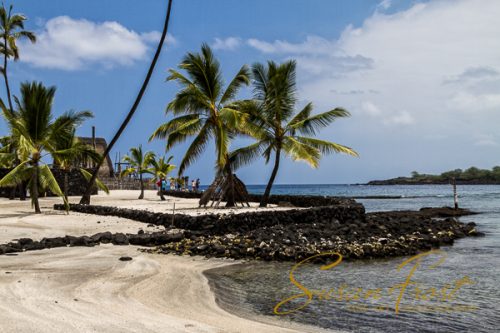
(36, 135)
(138, 163)
(160, 168)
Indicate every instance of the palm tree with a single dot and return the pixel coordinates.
(8, 159)
(70, 151)
(86, 196)
(36, 135)
(160, 168)
(204, 110)
(138, 163)
(11, 30)
(275, 126)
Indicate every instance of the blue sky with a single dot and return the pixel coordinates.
(420, 78)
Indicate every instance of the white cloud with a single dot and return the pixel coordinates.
(71, 44)
(154, 37)
(312, 45)
(406, 57)
(470, 102)
(370, 108)
(401, 118)
(229, 44)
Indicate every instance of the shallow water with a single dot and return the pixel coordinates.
(256, 287)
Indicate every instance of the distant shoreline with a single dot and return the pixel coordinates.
(409, 181)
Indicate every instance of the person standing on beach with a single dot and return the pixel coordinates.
(197, 185)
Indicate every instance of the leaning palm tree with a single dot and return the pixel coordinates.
(138, 164)
(70, 151)
(36, 135)
(11, 30)
(86, 196)
(160, 168)
(204, 110)
(277, 128)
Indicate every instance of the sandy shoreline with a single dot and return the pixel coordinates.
(89, 290)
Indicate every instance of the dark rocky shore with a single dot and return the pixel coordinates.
(286, 235)
(380, 235)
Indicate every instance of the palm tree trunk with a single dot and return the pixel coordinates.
(22, 189)
(5, 74)
(66, 185)
(86, 197)
(34, 189)
(12, 195)
(229, 194)
(265, 197)
(142, 186)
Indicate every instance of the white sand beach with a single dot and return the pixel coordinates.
(83, 289)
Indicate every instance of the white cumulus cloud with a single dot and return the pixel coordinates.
(425, 77)
(71, 44)
(229, 43)
(370, 109)
(401, 118)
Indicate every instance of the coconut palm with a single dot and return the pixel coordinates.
(86, 196)
(36, 135)
(276, 126)
(138, 164)
(204, 110)
(69, 154)
(160, 168)
(11, 30)
(8, 160)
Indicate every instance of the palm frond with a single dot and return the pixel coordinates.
(299, 151)
(310, 125)
(221, 146)
(183, 132)
(260, 81)
(128, 171)
(196, 148)
(241, 78)
(165, 129)
(245, 155)
(301, 115)
(47, 181)
(327, 147)
(233, 119)
(17, 175)
(98, 182)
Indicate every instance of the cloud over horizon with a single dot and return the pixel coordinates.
(71, 44)
(429, 71)
(431, 60)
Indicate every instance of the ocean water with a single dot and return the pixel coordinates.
(455, 290)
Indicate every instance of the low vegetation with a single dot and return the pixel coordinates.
(471, 175)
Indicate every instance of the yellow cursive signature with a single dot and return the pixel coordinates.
(343, 293)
